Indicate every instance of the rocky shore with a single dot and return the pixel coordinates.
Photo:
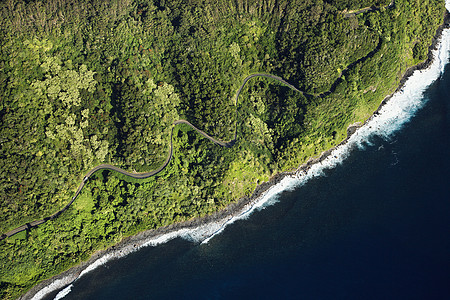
(130, 244)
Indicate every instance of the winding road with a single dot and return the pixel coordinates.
(201, 132)
(154, 172)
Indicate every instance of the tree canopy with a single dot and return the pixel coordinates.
(90, 82)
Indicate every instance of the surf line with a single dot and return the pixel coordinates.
(387, 119)
(227, 144)
(391, 115)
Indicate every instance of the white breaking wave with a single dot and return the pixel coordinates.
(392, 116)
(55, 285)
(64, 292)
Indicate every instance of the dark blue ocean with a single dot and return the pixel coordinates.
(375, 227)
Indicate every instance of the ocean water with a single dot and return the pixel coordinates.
(374, 225)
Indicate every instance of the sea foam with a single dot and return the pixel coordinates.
(391, 117)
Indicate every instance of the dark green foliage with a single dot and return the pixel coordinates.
(90, 82)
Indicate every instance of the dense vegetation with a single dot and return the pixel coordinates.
(89, 82)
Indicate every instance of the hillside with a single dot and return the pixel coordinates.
(89, 82)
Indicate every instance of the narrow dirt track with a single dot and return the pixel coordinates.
(368, 9)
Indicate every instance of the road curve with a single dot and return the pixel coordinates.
(100, 167)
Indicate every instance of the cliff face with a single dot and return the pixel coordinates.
(90, 83)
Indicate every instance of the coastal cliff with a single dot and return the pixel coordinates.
(110, 92)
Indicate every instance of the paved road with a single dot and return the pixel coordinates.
(169, 157)
(154, 172)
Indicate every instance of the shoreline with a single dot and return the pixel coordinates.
(238, 208)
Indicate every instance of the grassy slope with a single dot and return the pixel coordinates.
(83, 84)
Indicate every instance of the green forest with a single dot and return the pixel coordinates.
(90, 82)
